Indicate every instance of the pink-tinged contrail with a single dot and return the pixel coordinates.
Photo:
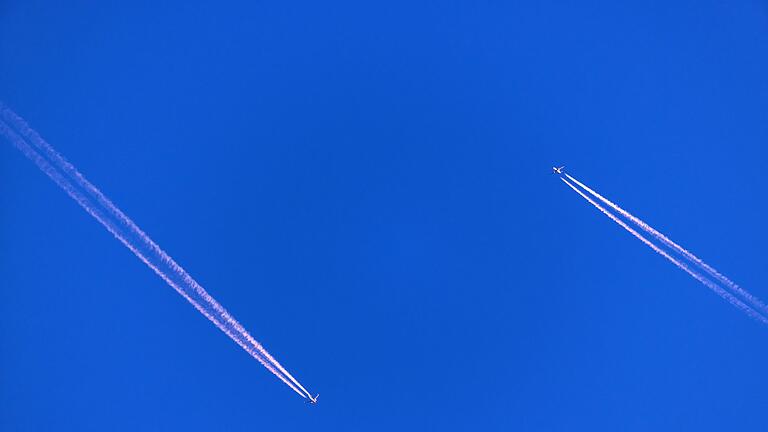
(708, 283)
(124, 229)
(756, 302)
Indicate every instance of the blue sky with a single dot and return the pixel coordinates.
(366, 188)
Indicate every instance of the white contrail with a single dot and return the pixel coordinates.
(708, 283)
(677, 248)
(124, 229)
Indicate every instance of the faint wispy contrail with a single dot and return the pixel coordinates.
(756, 302)
(706, 282)
(124, 229)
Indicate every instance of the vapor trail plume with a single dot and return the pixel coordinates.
(706, 282)
(124, 229)
(679, 249)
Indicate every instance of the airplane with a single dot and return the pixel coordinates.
(556, 170)
(313, 400)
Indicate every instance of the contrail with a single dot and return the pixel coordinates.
(756, 302)
(708, 283)
(124, 229)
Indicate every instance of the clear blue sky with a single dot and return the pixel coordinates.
(367, 188)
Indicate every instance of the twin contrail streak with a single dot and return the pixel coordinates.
(706, 282)
(756, 302)
(66, 176)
